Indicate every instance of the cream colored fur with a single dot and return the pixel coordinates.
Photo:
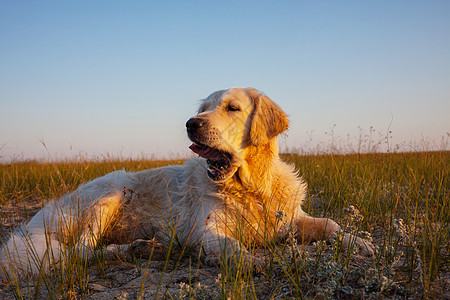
(221, 217)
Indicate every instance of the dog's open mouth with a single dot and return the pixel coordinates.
(219, 162)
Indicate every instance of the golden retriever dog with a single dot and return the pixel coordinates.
(230, 198)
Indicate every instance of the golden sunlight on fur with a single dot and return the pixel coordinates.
(228, 199)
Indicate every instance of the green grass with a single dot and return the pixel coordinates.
(400, 200)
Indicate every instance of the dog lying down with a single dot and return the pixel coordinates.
(228, 198)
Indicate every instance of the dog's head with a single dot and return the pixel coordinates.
(229, 123)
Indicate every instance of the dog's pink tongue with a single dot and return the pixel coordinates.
(205, 152)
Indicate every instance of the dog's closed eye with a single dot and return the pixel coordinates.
(233, 108)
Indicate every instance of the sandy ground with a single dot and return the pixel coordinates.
(125, 278)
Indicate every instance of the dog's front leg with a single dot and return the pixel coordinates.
(311, 229)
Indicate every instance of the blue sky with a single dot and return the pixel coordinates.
(122, 77)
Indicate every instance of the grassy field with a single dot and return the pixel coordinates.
(398, 200)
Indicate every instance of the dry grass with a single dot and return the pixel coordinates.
(400, 200)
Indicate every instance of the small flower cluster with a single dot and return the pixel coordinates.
(280, 215)
(353, 218)
(282, 220)
(400, 228)
(402, 232)
(198, 291)
(353, 214)
(365, 235)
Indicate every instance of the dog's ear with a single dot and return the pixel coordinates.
(268, 121)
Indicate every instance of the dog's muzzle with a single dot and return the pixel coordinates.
(219, 162)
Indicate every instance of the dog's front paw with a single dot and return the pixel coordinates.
(364, 247)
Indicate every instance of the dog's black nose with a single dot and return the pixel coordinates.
(194, 123)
